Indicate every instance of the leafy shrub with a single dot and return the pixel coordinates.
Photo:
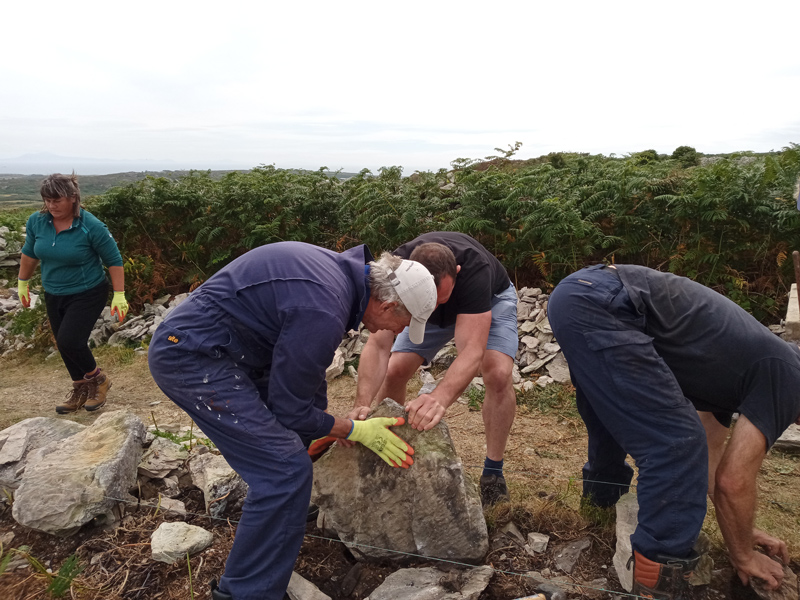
(686, 156)
(729, 224)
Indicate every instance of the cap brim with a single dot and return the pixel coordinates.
(416, 331)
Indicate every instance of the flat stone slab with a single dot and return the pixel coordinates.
(790, 440)
(432, 584)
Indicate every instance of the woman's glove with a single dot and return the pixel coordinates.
(119, 305)
(375, 435)
(23, 293)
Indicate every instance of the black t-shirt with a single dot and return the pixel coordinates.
(481, 276)
(724, 360)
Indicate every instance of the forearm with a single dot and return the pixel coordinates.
(735, 510)
(716, 434)
(27, 266)
(117, 278)
(372, 366)
(458, 376)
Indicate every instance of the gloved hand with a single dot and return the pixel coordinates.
(318, 447)
(23, 293)
(120, 305)
(375, 435)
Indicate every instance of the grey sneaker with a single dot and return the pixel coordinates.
(493, 490)
(75, 399)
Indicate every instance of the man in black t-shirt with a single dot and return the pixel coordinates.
(660, 364)
(476, 305)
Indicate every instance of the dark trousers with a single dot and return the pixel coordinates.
(72, 318)
(631, 404)
(229, 404)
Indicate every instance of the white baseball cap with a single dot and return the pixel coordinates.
(415, 286)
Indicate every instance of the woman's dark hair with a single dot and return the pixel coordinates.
(61, 186)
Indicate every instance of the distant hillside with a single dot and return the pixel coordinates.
(23, 190)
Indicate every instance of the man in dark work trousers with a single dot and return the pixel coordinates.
(660, 364)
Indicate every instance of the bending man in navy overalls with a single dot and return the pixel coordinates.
(245, 356)
(660, 364)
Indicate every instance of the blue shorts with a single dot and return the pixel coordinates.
(503, 335)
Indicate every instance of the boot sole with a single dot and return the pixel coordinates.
(66, 411)
(94, 408)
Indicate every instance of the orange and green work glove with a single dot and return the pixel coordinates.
(119, 305)
(318, 447)
(23, 293)
(375, 435)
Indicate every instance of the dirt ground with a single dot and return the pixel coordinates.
(543, 464)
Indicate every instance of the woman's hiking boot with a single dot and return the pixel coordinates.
(97, 388)
(75, 399)
(667, 579)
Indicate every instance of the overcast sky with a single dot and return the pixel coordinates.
(352, 85)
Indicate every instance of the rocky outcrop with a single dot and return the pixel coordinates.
(78, 478)
(431, 510)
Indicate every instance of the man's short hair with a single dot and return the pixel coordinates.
(437, 258)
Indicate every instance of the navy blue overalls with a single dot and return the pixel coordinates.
(245, 356)
(632, 404)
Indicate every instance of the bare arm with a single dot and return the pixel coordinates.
(472, 332)
(735, 500)
(27, 266)
(117, 278)
(716, 434)
(372, 370)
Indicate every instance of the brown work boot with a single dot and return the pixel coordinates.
(98, 387)
(75, 399)
(665, 580)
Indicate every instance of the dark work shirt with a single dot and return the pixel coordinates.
(280, 311)
(724, 360)
(481, 276)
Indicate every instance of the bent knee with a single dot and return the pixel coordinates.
(497, 374)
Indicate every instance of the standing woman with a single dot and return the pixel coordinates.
(73, 245)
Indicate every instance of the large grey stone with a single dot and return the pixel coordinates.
(432, 509)
(81, 477)
(173, 541)
(19, 442)
(432, 584)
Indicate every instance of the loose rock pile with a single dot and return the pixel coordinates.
(10, 245)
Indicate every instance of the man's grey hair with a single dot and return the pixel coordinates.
(381, 287)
